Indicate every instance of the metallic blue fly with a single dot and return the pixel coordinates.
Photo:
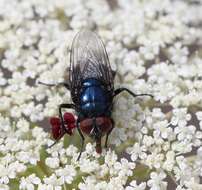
(91, 83)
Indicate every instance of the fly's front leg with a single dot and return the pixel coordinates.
(66, 85)
(108, 133)
(119, 90)
(82, 139)
(71, 106)
(57, 140)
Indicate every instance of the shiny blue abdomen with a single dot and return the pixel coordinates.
(94, 99)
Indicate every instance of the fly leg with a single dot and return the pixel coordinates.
(82, 139)
(72, 106)
(108, 133)
(66, 85)
(119, 90)
(57, 140)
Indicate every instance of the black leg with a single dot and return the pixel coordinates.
(57, 140)
(82, 140)
(62, 120)
(119, 90)
(108, 133)
(54, 143)
(72, 106)
(57, 84)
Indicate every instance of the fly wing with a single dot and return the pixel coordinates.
(89, 59)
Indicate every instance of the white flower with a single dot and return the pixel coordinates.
(52, 162)
(199, 117)
(28, 156)
(179, 187)
(110, 158)
(170, 161)
(72, 151)
(5, 103)
(137, 151)
(192, 184)
(133, 64)
(4, 125)
(88, 166)
(154, 160)
(182, 171)
(23, 125)
(88, 184)
(66, 174)
(163, 131)
(125, 168)
(149, 50)
(155, 48)
(33, 111)
(135, 186)
(29, 182)
(4, 187)
(52, 182)
(148, 140)
(9, 170)
(180, 117)
(178, 53)
(39, 134)
(156, 182)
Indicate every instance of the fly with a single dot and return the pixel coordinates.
(91, 83)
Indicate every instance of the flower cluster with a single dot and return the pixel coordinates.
(155, 46)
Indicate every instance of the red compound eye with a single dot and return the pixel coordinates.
(69, 118)
(55, 121)
(56, 130)
(71, 126)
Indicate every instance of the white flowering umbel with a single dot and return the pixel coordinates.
(155, 46)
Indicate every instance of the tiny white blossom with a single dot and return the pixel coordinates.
(192, 184)
(156, 182)
(178, 53)
(67, 173)
(52, 162)
(52, 182)
(29, 182)
(156, 50)
(137, 151)
(135, 186)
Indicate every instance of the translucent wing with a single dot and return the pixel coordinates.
(89, 59)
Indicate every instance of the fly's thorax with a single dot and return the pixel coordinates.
(89, 82)
(94, 98)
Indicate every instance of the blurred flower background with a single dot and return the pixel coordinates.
(155, 46)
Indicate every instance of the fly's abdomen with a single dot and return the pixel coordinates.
(93, 101)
